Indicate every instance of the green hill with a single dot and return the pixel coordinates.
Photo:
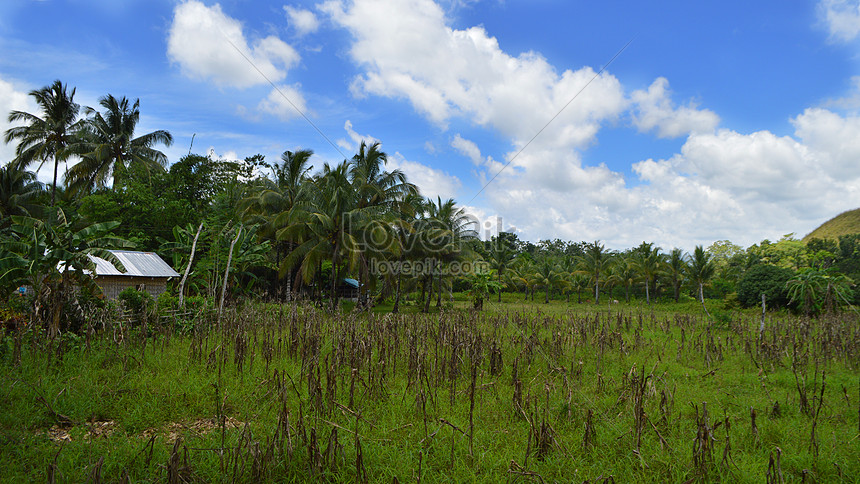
(843, 224)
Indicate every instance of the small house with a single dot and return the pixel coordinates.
(348, 289)
(144, 271)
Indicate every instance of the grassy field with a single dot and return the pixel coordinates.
(521, 392)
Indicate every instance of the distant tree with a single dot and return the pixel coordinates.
(625, 272)
(547, 276)
(482, 285)
(501, 253)
(819, 290)
(649, 262)
(674, 268)
(764, 279)
(595, 262)
(700, 269)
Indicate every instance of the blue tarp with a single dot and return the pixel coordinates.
(351, 282)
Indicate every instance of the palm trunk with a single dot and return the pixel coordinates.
(396, 307)
(439, 292)
(334, 277)
(597, 289)
(500, 285)
(429, 294)
(647, 293)
(54, 186)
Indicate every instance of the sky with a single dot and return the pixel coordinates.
(674, 122)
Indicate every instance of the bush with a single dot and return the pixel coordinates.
(136, 301)
(167, 301)
(767, 279)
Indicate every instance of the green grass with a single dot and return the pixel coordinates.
(260, 370)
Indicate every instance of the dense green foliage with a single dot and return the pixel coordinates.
(768, 280)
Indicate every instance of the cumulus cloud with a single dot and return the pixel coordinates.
(654, 110)
(208, 44)
(726, 184)
(12, 98)
(303, 21)
(467, 148)
(720, 184)
(842, 18)
(285, 102)
(407, 50)
(430, 181)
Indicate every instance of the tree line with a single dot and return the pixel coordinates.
(285, 229)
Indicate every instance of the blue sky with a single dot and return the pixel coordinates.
(729, 120)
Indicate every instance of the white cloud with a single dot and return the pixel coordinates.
(285, 102)
(468, 148)
(654, 110)
(851, 101)
(720, 184)
(842, 18)
(430, 181)
(744, 187)
(12, 98)
(304, 21)
(407, 50)
(208, 44)
(355, 138)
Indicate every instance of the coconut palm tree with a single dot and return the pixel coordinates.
(674, 269)
(18, 188)
(700, 269)
(594, 262)
(547, 276)
(648, 261)
(324, 227)
(377, 193)
(108, 148)
(272, 203)
(405, 226)
(501, 255)
(449, 228)
(625, 271)
(46, 137)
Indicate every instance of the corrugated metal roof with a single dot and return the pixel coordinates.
(145, 264)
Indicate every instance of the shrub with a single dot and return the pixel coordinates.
(167, 301)
(136, 301)
(767, 279)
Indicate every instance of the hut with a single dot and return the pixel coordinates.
(145, 271)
